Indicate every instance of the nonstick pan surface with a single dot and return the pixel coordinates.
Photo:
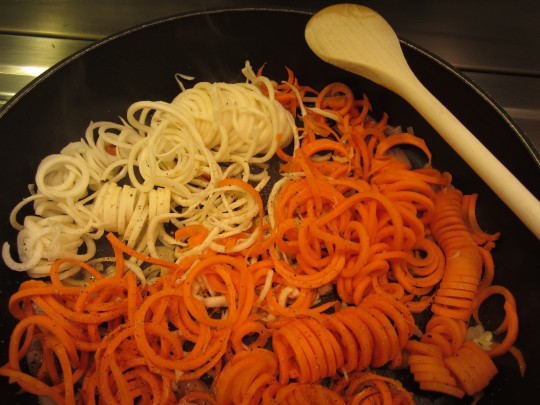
(101, 81)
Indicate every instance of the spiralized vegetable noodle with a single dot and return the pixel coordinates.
(173, 156)
(357, 266)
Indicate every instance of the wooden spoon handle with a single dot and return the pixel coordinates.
(357, 39)
(509, 189)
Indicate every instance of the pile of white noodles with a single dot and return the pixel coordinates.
(160, 165)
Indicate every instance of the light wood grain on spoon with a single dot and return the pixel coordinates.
(359, 40)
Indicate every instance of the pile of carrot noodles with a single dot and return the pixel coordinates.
(363, 268)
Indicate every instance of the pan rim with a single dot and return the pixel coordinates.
(430, 57)
(493, 104)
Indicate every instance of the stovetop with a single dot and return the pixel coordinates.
(495, 44)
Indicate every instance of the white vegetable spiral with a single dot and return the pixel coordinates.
(173, 155)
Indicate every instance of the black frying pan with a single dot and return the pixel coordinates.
(101, 81)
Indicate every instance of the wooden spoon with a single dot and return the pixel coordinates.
(357, 39)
